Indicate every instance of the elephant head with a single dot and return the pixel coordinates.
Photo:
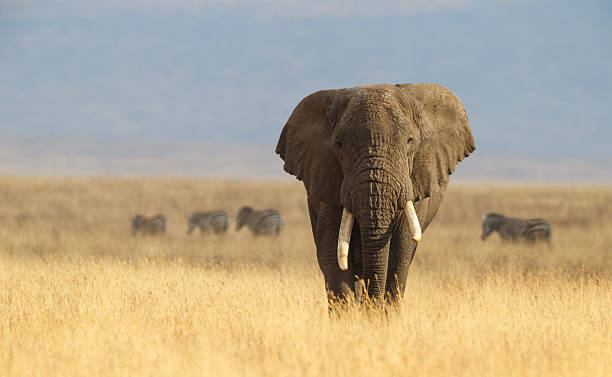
(374, 150)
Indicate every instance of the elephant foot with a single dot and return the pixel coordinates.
(338, 305)
(349, 297)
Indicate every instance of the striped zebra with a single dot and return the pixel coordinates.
(149, 225)
(261, 223)
(510, 229)
(214, 221)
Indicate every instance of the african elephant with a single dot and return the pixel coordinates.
(365, 155)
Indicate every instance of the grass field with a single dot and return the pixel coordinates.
(79, 296)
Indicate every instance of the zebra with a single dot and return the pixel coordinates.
(149, 225)
(511, 229)
(261, 223)
(215, 221)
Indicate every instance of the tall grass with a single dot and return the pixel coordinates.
(80, 296)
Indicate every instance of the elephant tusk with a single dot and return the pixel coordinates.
(344, 239)
(413, 221)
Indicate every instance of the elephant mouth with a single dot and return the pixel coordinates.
(346, 226)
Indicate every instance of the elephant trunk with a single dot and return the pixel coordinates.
(375, 230)
(375, 197)
(346, 226)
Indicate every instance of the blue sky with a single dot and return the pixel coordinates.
(534, 76)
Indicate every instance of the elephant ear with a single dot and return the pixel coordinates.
(306, 146)
(446, 137)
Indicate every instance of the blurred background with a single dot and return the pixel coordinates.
(203, 88)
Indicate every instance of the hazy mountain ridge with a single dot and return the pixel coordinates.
(246, 161)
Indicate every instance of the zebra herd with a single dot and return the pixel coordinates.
(261, 223)
(270, 222)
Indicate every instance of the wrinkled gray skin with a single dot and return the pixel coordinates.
(370, 149)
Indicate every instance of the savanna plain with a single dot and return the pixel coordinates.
(79, 296)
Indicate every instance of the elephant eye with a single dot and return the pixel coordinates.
(338, 144)
(409, 140)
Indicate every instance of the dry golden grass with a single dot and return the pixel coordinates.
(80, 297)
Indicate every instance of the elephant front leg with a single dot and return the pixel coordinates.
(401, 253)
(339, 284)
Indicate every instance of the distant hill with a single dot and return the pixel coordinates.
(250, 161)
